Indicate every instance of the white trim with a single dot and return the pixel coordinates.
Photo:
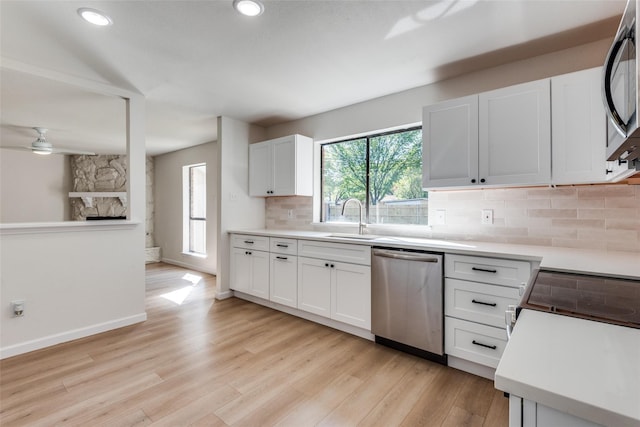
(51, 340)
(471, 367)
(189, 266)
(66, 226)
(196, 255)
(224, 295)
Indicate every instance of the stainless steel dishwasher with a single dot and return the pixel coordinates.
(407, 301)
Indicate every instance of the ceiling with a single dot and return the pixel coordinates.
(196, 60)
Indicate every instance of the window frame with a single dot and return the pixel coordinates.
(367, 137)
(189, 217)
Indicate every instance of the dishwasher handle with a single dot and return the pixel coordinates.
(408, 256)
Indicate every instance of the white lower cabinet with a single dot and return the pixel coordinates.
(351, 294)
(477, 293)
(474, 342)
(250, 272)
(527, 413)
(331, 280)
(283, 279)
(337, 290)
(314, 286)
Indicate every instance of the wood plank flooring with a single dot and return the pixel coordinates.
(198, 361)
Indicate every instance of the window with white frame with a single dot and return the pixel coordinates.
(383, 171)
(195, 209)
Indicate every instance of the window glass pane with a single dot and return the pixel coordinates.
(344, 176)
(197, 233)
(392, 184)
(198, 191)
(395, 179)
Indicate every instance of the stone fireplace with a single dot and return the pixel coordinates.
(100, 192)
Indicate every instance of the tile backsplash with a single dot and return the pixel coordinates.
(587, 216)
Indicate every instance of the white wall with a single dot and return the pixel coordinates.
(168, 196)
(77, 278)
(236, 210)
(34, 188)
(404, 108)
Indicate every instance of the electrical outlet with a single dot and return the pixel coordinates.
(17, 308)
(440, 218)
(487, 216)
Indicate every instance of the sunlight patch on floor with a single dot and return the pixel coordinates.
(178, 296)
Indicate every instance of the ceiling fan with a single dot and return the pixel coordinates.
(42, 146)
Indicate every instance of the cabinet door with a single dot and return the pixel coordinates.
(579, 132)
(284, 280)
(240, 276)
(351, 294)
(515, 135)
(314, 286)
(450, 143)
(259, 274)
(283, 167)
(259, 169)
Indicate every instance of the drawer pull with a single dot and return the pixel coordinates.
(247, 253)
(282, 246)
(284, 258)
(491, 304)
(249, 242)
(492, 347)
(486, 270)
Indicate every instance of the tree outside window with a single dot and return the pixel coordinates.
(383, 171)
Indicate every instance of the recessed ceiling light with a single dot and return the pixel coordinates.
(94, 16)
(249, 7)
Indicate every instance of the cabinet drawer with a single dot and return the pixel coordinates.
(506, 272)
(283, 246)
(477, 343)
(246, 241)
(478, 302)
(356, 254)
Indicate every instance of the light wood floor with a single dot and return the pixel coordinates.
(215, 363)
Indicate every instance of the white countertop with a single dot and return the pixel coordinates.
(585, 368)
(612, 263)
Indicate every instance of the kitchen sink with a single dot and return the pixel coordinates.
(353, 236)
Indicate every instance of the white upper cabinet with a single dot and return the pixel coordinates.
(515, 135)
(450, 143)
(579, 131)
(281, 167)
(501, 137)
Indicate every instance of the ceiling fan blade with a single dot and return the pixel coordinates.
(61, 150)
(20, 148)
(64, 151)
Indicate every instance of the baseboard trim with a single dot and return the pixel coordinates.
(51, 340)
(471, 367)
(189, 266)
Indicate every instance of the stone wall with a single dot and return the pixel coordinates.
(98, 173)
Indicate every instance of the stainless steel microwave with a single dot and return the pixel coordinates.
(621, 78)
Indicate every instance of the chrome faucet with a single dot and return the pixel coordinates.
(361, 224)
